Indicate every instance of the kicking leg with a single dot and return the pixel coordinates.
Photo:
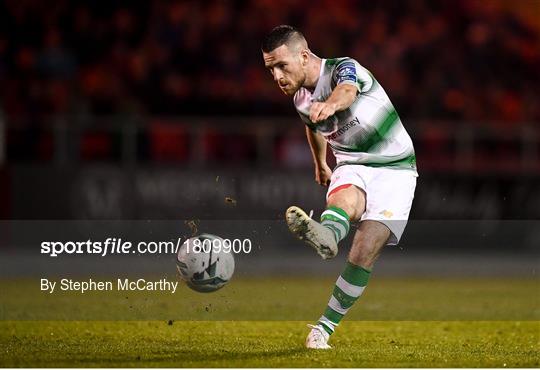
(345, 204)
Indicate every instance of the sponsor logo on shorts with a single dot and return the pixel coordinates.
(386, 213)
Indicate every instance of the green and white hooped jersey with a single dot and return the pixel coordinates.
(369, 132)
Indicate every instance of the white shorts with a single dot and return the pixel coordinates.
(389, 194)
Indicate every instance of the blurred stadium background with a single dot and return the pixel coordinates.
(140, 115)
(163, 110)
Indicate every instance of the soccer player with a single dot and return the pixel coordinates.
(373, 184)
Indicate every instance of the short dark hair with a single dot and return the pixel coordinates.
(280, 35)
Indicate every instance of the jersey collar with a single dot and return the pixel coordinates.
(321, 71)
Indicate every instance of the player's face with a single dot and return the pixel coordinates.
(287, 67)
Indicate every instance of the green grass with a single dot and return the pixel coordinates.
(417, 322)
(285, 299)
(268, 344)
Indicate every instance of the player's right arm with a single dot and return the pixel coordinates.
(318, 144)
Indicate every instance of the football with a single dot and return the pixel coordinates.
(205, 262)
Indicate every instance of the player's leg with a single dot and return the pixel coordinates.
(386, 213)
(346, 203)
(369, 240)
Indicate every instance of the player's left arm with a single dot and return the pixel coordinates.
(341, 98)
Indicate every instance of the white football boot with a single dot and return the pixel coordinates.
(317, 338)
(313, 233)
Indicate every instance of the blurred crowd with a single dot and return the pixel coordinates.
(466, 60)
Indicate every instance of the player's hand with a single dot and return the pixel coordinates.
(323, 174)
(320, 111)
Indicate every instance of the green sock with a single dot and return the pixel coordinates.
(349, 286)
(337, 221)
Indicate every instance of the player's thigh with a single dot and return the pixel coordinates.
(368, 242)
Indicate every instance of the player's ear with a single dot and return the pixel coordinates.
(304, 57)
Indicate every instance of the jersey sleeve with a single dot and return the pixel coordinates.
(349, 71)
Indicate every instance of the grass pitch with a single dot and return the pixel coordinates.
(284, 299)
(268, 344)
(409, 323)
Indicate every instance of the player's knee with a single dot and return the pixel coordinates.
(343, 202)
(350, 200)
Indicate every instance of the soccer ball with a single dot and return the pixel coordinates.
(205, 263)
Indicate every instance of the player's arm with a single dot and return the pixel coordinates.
(317, 143)
(350, 79)
(341, 98)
